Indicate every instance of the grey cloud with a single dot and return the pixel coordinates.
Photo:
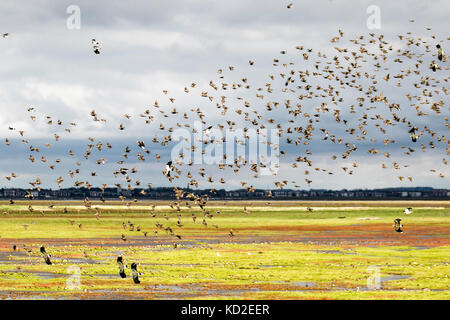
(148, 46)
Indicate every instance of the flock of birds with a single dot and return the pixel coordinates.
(47, 258)
(327, 81)
(342, 78)
(398, 227)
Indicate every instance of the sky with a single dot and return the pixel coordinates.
(149, 46)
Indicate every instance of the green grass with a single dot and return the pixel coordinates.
(227, 267)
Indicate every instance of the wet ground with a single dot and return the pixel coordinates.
(314, 261)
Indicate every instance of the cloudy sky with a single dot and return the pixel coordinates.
(151, 46)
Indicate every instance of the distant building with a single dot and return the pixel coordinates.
(241, 194)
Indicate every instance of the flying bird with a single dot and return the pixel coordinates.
(45, 255)
(95, 46)
(440, 52)
(168, 169)
(135, 273)
(121, 267)
(398, 225)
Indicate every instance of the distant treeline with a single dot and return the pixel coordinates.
(241, 194)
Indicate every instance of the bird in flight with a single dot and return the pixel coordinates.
(408, 211)
(45, 255)
(398, 225)
(413, 134)
(121, 267)
(95, 46)
(168, 169)
(441, 54)
(135, 273)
